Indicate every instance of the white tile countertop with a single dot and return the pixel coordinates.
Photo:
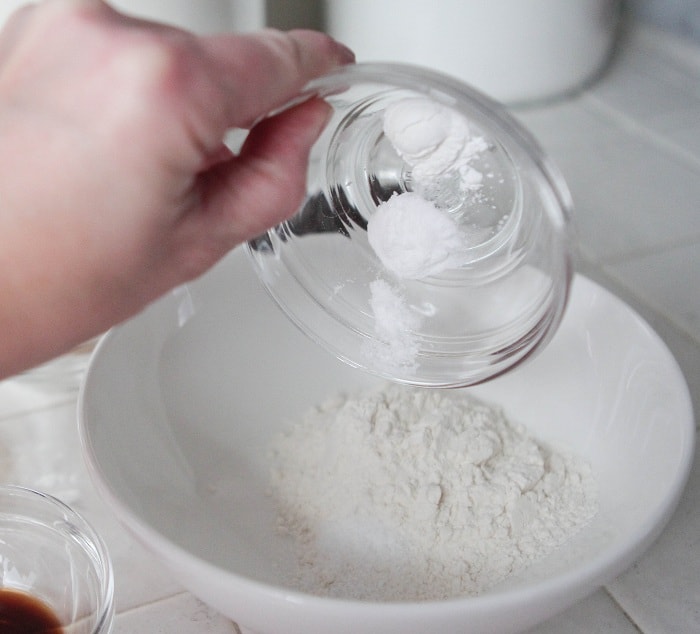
(629, 147)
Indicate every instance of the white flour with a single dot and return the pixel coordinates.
(408, 494)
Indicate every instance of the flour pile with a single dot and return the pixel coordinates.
(409, 494)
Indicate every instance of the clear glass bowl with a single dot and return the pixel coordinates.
(500, 302)
(51, 554)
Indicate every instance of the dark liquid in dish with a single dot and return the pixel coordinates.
(21, 613)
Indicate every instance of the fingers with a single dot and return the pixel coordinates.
(267, 181)
(262, 71)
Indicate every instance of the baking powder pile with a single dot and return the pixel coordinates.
(394, 324)
(435, 141)
(412, 236)
(404, 493)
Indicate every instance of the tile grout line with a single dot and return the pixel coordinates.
(639, 130)
(649, 311)
(622, 609)
(150, 603)
(21, 413)
(651, 250)
(651, 305)
(164, 599)
(678, 51)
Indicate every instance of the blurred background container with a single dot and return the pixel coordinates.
(202, 16)
(515, 50)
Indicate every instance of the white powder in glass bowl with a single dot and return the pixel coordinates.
(411, 234)
(413, 238)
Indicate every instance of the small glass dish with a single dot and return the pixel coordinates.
(497, 305)
(52, 559)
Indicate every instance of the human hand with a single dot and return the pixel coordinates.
(115, 184)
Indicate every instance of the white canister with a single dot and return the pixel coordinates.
(513, 50)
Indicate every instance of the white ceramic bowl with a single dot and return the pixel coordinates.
(179, 405)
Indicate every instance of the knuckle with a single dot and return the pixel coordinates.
(150, 72)
(288, 49)
(152, 64)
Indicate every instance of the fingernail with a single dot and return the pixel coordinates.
(345, 54)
